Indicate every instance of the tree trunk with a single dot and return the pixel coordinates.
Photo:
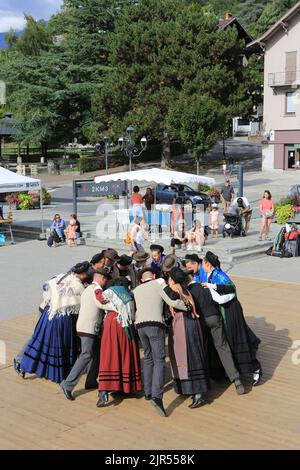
(44, 149)
(166, 151)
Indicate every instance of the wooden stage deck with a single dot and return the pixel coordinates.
(34, 413)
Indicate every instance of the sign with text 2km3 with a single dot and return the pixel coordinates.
(89, 188)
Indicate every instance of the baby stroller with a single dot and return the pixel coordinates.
(233, 226)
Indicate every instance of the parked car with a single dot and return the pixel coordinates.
(166, 194)
(294, 190)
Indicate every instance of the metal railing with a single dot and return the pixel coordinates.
(288, 78)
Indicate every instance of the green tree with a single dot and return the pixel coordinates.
(35, 38)
(271, 14)
(197, 122)
(11, 39)
(50, 87)
(163, 48)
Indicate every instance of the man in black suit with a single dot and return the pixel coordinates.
(209, 313)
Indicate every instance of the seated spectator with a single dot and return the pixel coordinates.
(180, 236)
(57, 231)
(72, 232)
(196, 236)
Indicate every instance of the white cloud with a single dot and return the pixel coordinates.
(8, 20)
(12, 12)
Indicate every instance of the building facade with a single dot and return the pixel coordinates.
(281, 121)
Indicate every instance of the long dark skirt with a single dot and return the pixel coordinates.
(239, 339)
(187, 355)
(52, 350)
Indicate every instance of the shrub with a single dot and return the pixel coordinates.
(204, 188)
(284, 212)
(86, 164)
(12, 199)
(284, 201)
(46, 197)
(26, 201)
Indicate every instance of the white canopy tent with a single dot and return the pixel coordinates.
(158, 176)
(11, 182)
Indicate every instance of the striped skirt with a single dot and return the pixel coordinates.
(52, 350)
(120, 369)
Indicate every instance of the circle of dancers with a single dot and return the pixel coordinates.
(96, 318)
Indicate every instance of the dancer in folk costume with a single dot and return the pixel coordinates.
(52, 350)
(120, 369)
(242, 340)
(186, 346)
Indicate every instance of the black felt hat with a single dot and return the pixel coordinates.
(212, 259)
(145, 270)
(97, 257)
(81, 268)
(193, 257)
(124, 260)
(155, 247)
(178, 275)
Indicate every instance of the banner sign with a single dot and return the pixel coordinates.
(89, 188)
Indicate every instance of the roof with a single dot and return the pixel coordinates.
(233, 21)
(282, 23)
(156, 175)
(7, 126)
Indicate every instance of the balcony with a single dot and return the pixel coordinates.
(290, 78)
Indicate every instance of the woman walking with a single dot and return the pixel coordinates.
(186, 347)
(52, 350)
(119, 369)
(266, 208)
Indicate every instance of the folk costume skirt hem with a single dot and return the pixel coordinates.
(120, 369)
(52, 350)
(187, 355)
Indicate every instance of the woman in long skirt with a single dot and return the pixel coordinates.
(120, 369)
(242, 340)
(186, 346)
(52, 350)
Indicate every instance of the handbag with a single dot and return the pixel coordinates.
(127, 239)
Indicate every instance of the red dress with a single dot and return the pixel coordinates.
(120, 368)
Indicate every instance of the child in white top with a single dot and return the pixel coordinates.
(214, 220)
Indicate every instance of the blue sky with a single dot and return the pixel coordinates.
(12, 11)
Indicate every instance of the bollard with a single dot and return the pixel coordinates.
(240, 181)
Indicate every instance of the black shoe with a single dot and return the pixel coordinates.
(68, 394)
(198, 400)
(17, 368)
(158, 403)
(103, 400)
(239, 387)
(148, 397)
(257, 378)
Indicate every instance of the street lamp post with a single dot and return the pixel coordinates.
(128, 147)
(103, 148)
